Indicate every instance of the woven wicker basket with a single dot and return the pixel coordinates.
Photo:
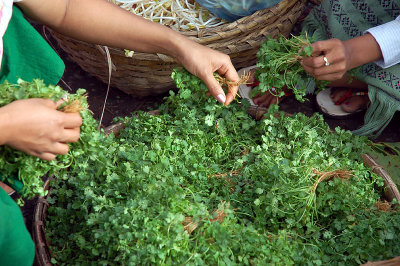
(42, 248)
(149, 74)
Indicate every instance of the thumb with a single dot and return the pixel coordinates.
(62, 100)
(317, 49)
(214, 88)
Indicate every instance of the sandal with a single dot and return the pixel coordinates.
(333, 109)
(245, 89)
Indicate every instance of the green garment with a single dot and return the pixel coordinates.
(27, 55)
(16, 245)
(346, 19)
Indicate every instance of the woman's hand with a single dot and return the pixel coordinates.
(337, 59)
(333, 58)
(203, 62)
(36, 127)
(102, 22)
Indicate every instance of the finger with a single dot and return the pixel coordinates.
(231, 94)
(321, 47)
(313, 62)
(59, 148)
(49, 103)
(336, 71)
(72, 120)
(229, 72)
(70, 135)
(329, 77)
(214, 88)
(45, 156)
(60, 102)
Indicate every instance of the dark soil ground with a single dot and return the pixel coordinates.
(120, 104)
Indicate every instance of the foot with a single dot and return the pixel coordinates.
(264, 100)
(352, 104)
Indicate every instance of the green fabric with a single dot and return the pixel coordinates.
(346, 19)
(16, 245)
(13, 182)
(27, 55)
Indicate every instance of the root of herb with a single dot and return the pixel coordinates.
(323, 176)
(224, 82)
(189, 226)
(74, 105)
(383, 206)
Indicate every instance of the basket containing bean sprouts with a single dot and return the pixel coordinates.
(144, 74)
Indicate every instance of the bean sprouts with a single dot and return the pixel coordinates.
(177, 14)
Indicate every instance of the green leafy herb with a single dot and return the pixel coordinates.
(279, 66)
(204, 184)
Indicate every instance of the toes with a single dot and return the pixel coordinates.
(354, 104)
(337, 93)
(260, 99)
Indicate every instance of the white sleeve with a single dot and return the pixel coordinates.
(388, 37)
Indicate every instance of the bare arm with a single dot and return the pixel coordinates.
(98, 21)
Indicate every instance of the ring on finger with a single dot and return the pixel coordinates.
(326, 61)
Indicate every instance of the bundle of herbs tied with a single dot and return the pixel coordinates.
(23, 172)
(205, 184)
(278, 67)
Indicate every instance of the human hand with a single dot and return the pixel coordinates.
(203, 62)
(36, 127)
(342, 56)
(337, 56)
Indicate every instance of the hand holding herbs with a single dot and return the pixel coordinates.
(344, 58)
(279, 66)
(34, 126)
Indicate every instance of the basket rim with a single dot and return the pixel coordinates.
(42, 248)
(209, 35)
(145, 74)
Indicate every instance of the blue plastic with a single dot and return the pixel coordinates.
(232, 10)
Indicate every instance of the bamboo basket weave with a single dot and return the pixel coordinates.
(150, 74)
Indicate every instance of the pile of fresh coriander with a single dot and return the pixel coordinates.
(205, 184)
(278, 67)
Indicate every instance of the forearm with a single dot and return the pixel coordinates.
(4, 118)
(100, 22)
(362, 50)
